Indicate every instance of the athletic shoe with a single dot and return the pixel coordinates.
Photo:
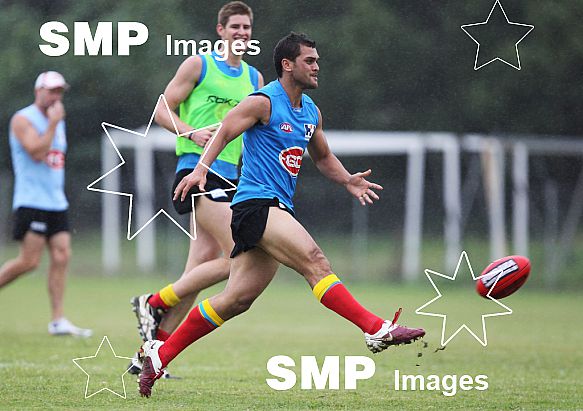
(62, 326)
(392, 333)
(148, 317)
(167, 376)
(151, 366)
(135, 368)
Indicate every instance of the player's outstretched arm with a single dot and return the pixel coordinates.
(178, 90)
(331, 167)
(247, 113)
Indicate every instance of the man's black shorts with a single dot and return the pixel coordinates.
(249, 222)
(215, 187)
(42, 222)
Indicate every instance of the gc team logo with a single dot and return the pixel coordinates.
(55, 159)
(291, 159)
(286, 127)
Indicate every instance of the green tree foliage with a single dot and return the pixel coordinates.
(398, 65)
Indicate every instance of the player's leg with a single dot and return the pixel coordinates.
(212, 222)
(214, 218)
(59, 245)
(158, 321)
(201, 277)
(251, 273)
(30, 253)
(60, 254)
(205, 248)
(287, 241)
(159, 314)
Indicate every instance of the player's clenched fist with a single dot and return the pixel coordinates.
(201, 137)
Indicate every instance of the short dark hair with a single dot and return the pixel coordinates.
(289, 48)
(234, 8)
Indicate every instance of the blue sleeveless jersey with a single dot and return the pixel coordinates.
(39, 184)
(272, 152)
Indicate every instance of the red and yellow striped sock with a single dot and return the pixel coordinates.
(202, 320)
(333, 294)
(165, 298)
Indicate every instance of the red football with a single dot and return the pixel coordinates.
(511, 272)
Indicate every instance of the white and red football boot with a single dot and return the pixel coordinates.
(392, 333)
(151, 366)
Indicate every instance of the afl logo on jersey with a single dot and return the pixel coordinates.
(55, 159)
(286, 127)
(291, 159)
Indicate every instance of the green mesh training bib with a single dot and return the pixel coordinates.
(209, 102)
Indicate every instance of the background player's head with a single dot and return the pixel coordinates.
(295, 55)
(49, 88)
(235, 22)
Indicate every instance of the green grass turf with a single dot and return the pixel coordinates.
(533, 359)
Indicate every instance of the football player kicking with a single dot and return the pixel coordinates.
(280, 122)
(204, 89)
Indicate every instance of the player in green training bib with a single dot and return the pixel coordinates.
(204, 89)
(213, 97)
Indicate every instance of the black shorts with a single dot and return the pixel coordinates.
(215, 187)
(249, 221)
(42, 222)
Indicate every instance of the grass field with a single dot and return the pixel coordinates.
(533, 359)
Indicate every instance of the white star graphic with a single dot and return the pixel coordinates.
(444, 341)
(93, 357)
(467, 28)
(91, 187)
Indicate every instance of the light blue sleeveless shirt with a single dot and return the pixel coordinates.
(272, 152)
(39, 184)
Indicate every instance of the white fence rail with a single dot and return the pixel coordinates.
(493, 152)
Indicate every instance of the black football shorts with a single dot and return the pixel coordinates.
(41, 222)
(249, 221)
(215, 187)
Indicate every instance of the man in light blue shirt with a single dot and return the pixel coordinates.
(38, 145)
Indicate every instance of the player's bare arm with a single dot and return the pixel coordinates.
(248, 112)
(332, 168)
(37, 146)
(176, 92)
